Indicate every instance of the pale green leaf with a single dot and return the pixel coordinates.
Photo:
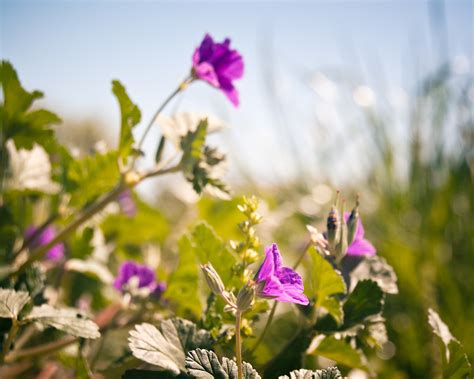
(377, 269)
(68, 320)
(366, 300)
(205, 364)
(340, 351)
(12, 302)
(328, 373)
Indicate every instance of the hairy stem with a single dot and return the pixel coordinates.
(238, 344)
(8, 341)
(180, 88)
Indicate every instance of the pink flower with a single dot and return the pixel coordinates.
(56, 253)
(219, 65)
(277, 282)
(359, 246)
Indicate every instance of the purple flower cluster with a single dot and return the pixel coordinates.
(56, 253)
(219, 65)
(143, 276)
(127, 204)
(277, 282)
(359, 246)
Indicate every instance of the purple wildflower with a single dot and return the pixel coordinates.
(127, 205)
(56, 253)
(277, 282)
(132, 274)
(359, 246)
(218, 65)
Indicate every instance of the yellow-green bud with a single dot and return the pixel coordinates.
(213, 279)
(245, 297)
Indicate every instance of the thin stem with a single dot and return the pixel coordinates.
(238, 344)
(42, 349)
(265, 329)
(181, 87)
(83, 216)
(8, 341)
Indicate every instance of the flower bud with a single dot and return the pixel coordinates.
(341, 247)
(213, 279)
(245, 297)
(333, 226)
(352, 223)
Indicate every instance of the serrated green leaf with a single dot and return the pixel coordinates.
(91, 177)
(209, 248)
(166, 347)
(183, 283)
(205, 364)
(192, 145)
(377, 269)
(12, 302)
(68, 320)
(328, 373)
(340, 351)
(130, 116)
(325, 283)
(455, 361)
(366, 300)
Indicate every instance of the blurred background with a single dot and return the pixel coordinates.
(375, 98)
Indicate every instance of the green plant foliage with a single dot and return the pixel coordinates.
(328, 373)
(325, 283)
(183, 282)
(205, 364)
(365, 300)
(92, 176)
(455, 362)
(340, 351)
(130, 117)
(167, 346)
(23, 126)
(67, 320)
(377, 269)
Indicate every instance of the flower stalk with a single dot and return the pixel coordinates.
(238, 344)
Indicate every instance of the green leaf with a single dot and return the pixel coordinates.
(91, 177)
(366, 300)
(67, 319)
(24, 128)
(192, 145)
(377, 269)
(325, 283)
(328, 373)
(209, 248)
(205, 364)
(340, 351)
(183, 283)
(147, 226)
(150, 374)
(130, 116)
(455, 361)
(12, 302)
(166, 347)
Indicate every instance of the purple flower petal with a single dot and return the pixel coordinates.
(55, 253)
(145, 275)
(219, 65)
(359, 246)
(279, 283)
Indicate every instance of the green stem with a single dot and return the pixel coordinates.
(8, 341)
(181, 87)
(265, 329)
(42, 349)
(238, 344)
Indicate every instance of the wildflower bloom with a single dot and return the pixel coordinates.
(277, 282)
(56, 253)
(359, 245)
(219, 65)
(138, 278)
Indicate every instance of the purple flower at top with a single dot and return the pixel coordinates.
(138, 276)
(56, 253)
(277, 282)
(127, 205)
(359, 246)
(219, 65)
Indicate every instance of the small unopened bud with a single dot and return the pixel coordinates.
(341, 247)
(333, 226)
(213, 279)
(131, 179)
(245, 297)
(250, 256)
(352, 223)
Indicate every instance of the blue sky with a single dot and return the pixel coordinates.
(72, 50)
